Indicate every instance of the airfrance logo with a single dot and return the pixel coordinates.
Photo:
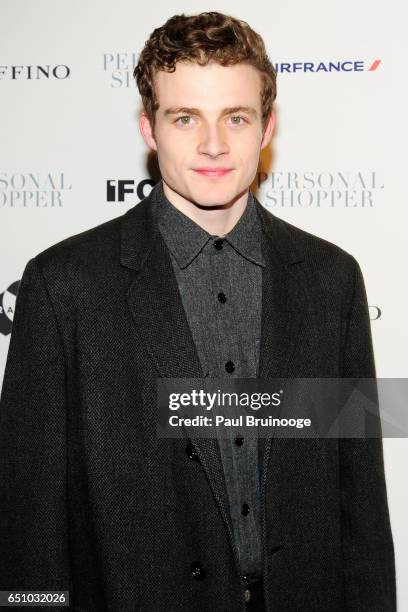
(340, 66)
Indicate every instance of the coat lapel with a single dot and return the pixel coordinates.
(285, 302)
(156, 306)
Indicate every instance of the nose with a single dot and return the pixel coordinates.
(213, 140)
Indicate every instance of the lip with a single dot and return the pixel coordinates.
(212, 171)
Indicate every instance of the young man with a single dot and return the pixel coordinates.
(196, 280)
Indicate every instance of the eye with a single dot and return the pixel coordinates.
(183, 122)
(238, 117)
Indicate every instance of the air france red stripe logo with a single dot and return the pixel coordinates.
(374, 65)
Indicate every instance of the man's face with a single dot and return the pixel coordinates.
(209, 118)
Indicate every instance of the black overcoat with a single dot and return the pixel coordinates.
(93, 502)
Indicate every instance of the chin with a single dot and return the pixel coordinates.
(212, 196)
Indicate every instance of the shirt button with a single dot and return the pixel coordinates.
(239, 441)
(222, 297)
(229, 366)
(218, 244)
(245, 509)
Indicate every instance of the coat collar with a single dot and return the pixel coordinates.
(139, 231)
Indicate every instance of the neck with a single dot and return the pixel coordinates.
(216, 220)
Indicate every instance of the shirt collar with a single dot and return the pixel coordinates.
(186, 239)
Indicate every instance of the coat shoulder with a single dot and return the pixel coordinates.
(318, 252)
(327, 271)
(84, 247)
(85, 263)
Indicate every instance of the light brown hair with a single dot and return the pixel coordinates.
(200, 39)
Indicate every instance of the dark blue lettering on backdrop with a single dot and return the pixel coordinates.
(340, 66)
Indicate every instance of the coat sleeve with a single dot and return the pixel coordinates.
(367, 543)
(33, 492)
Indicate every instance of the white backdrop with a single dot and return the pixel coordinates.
(336, 167)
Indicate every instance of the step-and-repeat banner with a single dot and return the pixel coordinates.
(72, 156)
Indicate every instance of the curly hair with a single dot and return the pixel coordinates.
(200, 39)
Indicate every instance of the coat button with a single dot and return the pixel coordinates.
(218, 244)
(245, 509)
(197, 570)
(239, 441)
(191, 452)
(222, 297)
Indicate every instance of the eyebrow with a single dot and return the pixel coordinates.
(225, 111)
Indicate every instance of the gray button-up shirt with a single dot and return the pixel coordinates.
(220, 282)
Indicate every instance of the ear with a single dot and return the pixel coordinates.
(268, 130)
(146, 131)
